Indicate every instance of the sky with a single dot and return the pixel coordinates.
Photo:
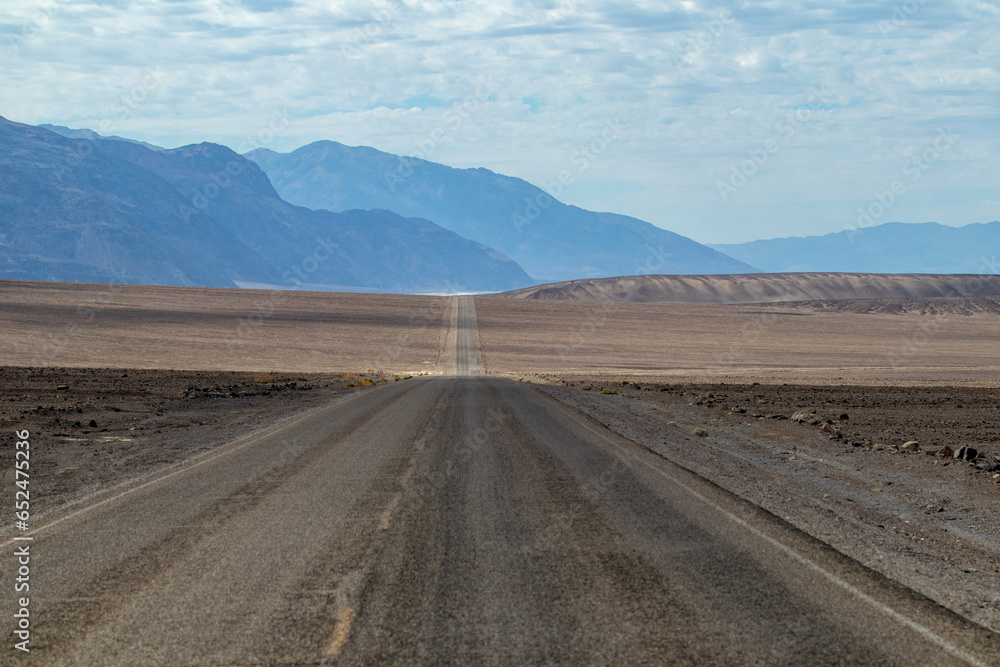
(724, 122)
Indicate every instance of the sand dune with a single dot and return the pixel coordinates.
(765, 288)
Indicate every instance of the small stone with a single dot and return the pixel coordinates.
(806, 417)
(911, 447)
(92, 423)
(966, 454)
(700, 432)
(844, 417)
(738, 409)
(945, 452)
(62, 387)
(993, 467)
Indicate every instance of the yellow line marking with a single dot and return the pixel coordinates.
(340, 632)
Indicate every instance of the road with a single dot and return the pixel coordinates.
(463, 355)
(455, 520)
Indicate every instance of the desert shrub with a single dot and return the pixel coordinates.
(700, 432)
(609, 390)
(587, 387)
(367, 383)
(262, 377)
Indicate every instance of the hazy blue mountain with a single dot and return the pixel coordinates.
(70, 212)
(217, 218)
(890, 248)
(551, 240)
(90, 135)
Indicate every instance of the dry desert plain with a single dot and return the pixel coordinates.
(116, 382)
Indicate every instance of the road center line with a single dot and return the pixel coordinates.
(340, 633)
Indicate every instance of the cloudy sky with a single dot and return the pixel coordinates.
(724, 122)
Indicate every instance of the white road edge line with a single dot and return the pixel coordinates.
(925, 632)
(177, 469)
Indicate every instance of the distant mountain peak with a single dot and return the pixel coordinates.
(550, 239)
(203, 215)
(90, 135)
(892, 247)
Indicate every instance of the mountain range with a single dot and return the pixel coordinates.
(78, 206)
(889, 248)
(96, 209)
(550, 239)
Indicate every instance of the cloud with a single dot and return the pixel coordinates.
(697, 84)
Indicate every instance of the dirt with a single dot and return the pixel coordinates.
(256, 358)
(768, 287)
(193, 328)
(929, 522)
(95, 428)
(938, 306)
(738, 343)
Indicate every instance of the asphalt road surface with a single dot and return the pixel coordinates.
(455, 520)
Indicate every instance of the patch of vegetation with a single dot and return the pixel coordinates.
(700, 432)
(609, 390)
(587, 387)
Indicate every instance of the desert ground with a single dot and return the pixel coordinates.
(804, 342)
(767, 288)
(188, 328)
(118, 384)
